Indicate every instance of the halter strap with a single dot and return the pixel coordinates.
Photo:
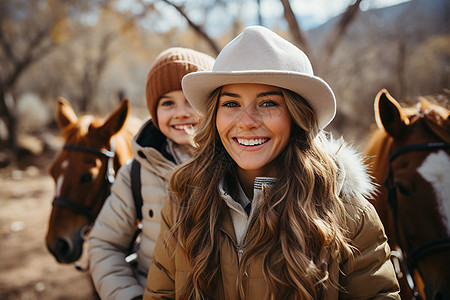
(92, 150)
(75, 207)
(430, 248)
(418, 147)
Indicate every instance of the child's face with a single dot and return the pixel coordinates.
(176, 118)
(254, 125)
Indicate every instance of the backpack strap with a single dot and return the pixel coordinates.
(136, 187)
(135, 177)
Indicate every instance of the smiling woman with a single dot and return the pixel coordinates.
(270, 207)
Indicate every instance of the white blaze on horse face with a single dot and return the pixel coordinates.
(436, 170)
(60, 179)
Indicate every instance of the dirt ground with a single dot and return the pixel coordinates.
(27, 270)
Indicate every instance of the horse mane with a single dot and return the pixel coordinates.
(436, 118)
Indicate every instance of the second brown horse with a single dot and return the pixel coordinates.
(94, 150)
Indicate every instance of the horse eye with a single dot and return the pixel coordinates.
(403, 190)
(85, 178)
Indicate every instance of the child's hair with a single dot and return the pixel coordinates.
(297, 231)
(168, 70)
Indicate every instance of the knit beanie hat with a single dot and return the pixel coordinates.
(168, 70)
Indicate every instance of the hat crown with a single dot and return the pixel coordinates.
(258, 55)
(260, 49)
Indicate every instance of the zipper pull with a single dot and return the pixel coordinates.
(240, 253)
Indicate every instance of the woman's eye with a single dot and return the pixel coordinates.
(269, 103)
(230, 104)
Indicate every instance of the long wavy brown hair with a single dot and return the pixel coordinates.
(298, 229)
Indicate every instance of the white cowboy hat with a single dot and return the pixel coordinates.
(259, 55)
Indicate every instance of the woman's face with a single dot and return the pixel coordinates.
(254, 125)
(176, 118)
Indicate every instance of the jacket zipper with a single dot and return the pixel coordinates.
(239, 248)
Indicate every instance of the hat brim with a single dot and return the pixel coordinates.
(198, 86)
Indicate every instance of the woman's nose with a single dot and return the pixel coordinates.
(248, 118)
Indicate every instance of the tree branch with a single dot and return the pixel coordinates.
(294, 27)
(197, 28)
(339, 30)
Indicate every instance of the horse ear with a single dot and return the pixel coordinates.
(389, 115)
(115, 121)
(65, 115)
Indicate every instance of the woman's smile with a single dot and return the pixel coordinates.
(251, 142)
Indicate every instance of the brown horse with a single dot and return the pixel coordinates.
(410, 159)
(94, 150)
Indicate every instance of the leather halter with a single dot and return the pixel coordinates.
(87, 211)
(413, 255)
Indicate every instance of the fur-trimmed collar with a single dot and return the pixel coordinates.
(353, 177)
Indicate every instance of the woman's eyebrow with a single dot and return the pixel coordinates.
(271, 93)
(229, 95)
(260, 95)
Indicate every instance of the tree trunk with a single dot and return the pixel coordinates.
(337, 33)
(295, 29)
(9, 118)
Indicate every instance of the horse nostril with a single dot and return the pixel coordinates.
(441, 295)
(63, 248)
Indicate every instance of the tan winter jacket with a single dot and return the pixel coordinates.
(115, 225)
(372, 277)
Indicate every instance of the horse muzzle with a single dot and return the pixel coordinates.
(439, 294)
(66, 250)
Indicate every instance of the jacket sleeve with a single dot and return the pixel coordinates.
(109, 240)
(161, 275)
(372, 274)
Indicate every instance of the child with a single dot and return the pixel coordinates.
(270, 207)
(162, 143)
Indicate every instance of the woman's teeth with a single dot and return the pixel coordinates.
(251, 142)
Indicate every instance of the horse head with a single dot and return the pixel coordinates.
(94, 150)
(410, 157)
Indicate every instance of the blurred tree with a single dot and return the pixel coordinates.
(297, 33)
(430, 66)
(29, 30)
(196, 27)
(93, 47)
(295, 29)
(338, 32)
(200, 15)
(321, 62)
